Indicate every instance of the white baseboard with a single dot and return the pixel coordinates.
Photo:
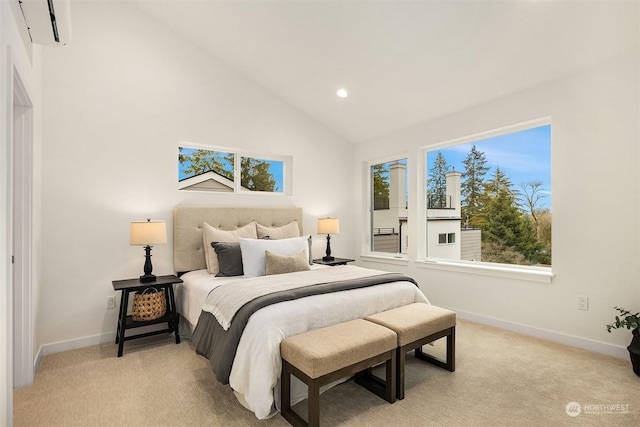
(108, 337)
(76, 343)
(595, 346)
(583, 343)
(70, 345)
(36, 362)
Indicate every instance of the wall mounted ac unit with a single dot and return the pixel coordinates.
(48, 21)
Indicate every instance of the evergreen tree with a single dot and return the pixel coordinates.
(544, 235)
(499, 182)
(472, 186)
(528, 244)
(437, 185)
(504, 225)
(380, 186)
(501, 219)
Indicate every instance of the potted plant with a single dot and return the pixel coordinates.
(629, 320)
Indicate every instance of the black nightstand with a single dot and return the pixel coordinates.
(336, 261)
(126, 322)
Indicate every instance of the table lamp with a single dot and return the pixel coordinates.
(147, 233)
(328, 226)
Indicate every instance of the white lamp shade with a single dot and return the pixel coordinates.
(328, 226)
(145, 233)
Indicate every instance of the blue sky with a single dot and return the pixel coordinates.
(523, 156)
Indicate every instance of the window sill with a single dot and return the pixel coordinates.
(532, 274)
(385, 259)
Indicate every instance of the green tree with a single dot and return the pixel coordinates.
(472, 186)
(501, 219)
(381, 186)
(437, 185)
(201, 161)
(499, 252)
(532, 195)
(499, 182)
(528, 244)
(255, 175)
(505, 227)
(544, 235)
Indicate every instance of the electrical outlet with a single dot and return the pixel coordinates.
(583, 303)
(111, 301)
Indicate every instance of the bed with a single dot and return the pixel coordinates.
(250, 363)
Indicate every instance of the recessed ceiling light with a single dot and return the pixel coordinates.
(342, 93)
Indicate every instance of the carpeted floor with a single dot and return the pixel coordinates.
(501, 379)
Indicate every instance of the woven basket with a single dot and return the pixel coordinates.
(149, 304)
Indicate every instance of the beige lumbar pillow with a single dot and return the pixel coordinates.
(211, 234)
(278, 264)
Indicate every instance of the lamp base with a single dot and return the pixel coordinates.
(328, 258)
(148, 278)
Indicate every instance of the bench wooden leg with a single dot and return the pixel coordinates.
(385, 389)
(313, 401)
(285, 397)
(401, 353)
(285, 388)
(314, 404)
(450, 363)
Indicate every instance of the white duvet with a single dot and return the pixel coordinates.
(255, 375)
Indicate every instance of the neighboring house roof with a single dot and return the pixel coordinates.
(206, 181)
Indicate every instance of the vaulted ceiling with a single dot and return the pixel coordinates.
(402, 62)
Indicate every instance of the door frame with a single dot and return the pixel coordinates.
(20, 222)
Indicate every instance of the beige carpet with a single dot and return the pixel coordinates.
(501, 379)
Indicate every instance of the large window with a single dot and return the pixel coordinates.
(389, 207)
(201, 169)
(495, 193)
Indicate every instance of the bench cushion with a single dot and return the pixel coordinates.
(414, 321)
(325, 350)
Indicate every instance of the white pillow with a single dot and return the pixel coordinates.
(253, 252)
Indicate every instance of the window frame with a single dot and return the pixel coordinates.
(368, 253)
(447, 238)
(287, 168)
(514, 271)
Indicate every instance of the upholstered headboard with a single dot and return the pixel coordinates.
(188, 249)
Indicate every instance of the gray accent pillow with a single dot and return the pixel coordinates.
(278, 264)
(211, 234)
(229, 258)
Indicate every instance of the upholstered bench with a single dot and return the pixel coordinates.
(415, 325)
(324, 355)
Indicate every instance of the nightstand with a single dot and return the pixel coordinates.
(126, 322)
(336, 261)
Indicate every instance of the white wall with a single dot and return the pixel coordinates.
(118, 100)
(125, 92)
(596, 189)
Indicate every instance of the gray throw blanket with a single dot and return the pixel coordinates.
(220, 346)
(224, 301)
